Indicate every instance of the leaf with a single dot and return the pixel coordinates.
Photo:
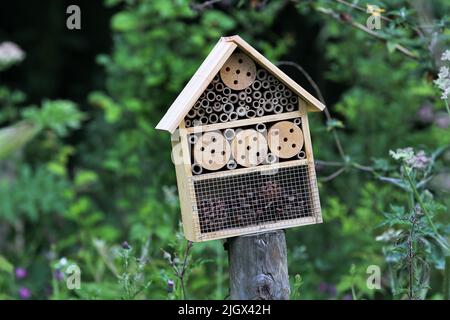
(124, 21)
(5, 265)
(14, 137)
(391, 46)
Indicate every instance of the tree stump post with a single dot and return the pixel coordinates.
(258, 267)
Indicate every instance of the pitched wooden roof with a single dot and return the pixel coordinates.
(209, 68)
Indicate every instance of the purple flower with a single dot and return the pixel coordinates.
(59, 276)
(170, 286)
(425, 114)
(347, 297)
(21, 273)
(419, 160)
(442, 120)
(323, 287)
(125, 245)
(24, 293)
(332, 290)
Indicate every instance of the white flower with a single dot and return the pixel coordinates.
(389, 235)
(446, 55)
(443, 81)
(10, 53)
(63, 261)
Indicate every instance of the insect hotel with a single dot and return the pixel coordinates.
(241, 146)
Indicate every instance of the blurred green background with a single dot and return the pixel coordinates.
(85, 178)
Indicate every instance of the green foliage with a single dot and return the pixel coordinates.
(72, 190)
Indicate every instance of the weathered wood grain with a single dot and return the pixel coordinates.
(258, 267)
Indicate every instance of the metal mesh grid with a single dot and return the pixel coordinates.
(274, 198)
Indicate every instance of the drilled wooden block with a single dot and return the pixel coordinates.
(249, 148)
(285, 139)
(212, 151)
(238, 72)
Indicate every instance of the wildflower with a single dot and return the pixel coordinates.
(443, 82)
(445, 55)
(20, 273)
(402, 154)
(425, 114)
(58, 274)
(63, 261)
(347, 297)
(125, 245)
(419, 160)
(442, 121)
(170, 286)
(389, 235)
(10, 54)
(323, 287)
(24, 293)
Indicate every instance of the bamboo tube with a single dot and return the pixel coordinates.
(201, 112)
(275, 101)
(283, 101)
(265, 84)
(261, 74)
(197, 105)
(233, 116)
(231, 165)
(193, 139)
(248, 90)
(281, 87)
(217, 106)
(257, 95)
(261, 127)
(211, 96)
(268, 106)
(290, 107)
(278, 94)
(301, 155)
(219, 86)
(213, 118)
(209, 110)
(271, 158)
(216, 78)
(202, 96)
(228, 107)
(241, 111)
(196, 123)
(247, 108)
(196, 168)
(251, 114)
(268, 95)
(204, 103)
(261, 101)
(278, 109)
(256, 85)
(241, 103)
(229, 134)
(287, 93)
(204, 120)
(192, 113)
(249, 100)
(272, 88)
(242, 95)
(218, 97)
(260, 112)
(293, 100)
(210, 86)
(223, 117)
(188, 123)
(226, 91)
(297, 121)
(255, 104)
(224, 99)
(233, 98)
(271, 78)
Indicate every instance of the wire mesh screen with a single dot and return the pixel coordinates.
(278, 197)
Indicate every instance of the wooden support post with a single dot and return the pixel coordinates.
(258, 267)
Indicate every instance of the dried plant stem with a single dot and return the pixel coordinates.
(419, 199)
(447, 278)
(372, 33)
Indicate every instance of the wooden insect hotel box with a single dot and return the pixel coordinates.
(241, 146)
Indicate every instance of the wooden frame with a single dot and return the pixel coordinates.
(309, 205)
